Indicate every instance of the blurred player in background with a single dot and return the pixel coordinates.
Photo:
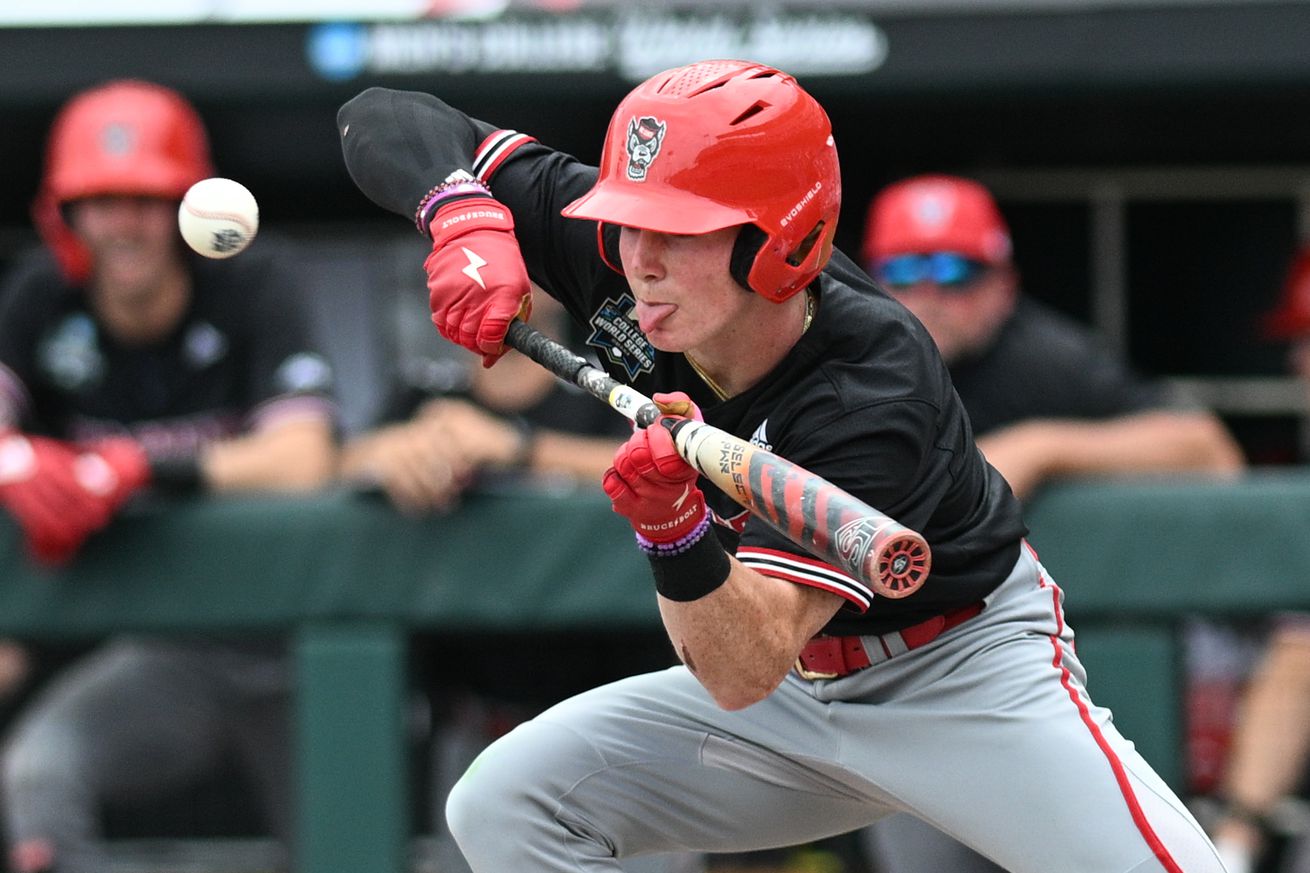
(699, 256)
(514, 421)
(1047, 397)
(128, 363)
(1270, 748)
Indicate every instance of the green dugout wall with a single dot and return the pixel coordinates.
(348, 579)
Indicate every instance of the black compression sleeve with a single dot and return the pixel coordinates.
(398, 144)
(177, 475)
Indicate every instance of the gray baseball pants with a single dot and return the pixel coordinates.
(987, 733)
(134, 721)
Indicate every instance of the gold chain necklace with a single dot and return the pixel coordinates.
(715, 386)
(705, 377)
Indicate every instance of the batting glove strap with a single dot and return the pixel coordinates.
(657, 549)
(694, 571)
(452, 220)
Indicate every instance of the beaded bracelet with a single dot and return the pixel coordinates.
(678, 546)
(462, 186)
(690, 567)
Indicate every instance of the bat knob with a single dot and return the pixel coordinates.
(900, 565)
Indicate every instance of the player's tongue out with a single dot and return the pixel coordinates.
(650, 315)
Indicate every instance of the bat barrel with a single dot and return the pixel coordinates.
(898, 565)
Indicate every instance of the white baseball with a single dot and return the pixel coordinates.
(218, 217)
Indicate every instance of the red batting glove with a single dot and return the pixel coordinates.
(653, 486)
(477, 282)
(42, 487)
(115, 469)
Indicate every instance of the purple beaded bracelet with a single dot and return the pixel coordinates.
(462, 186)
(679, 546)
(689, 567)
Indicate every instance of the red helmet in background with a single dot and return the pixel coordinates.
(722, 143)
(125, 137)
(1290, 319)
(936, 213)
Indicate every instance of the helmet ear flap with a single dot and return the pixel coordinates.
(70, 253)
(750, 240)
(607, 240)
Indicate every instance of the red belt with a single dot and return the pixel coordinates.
(831, 657)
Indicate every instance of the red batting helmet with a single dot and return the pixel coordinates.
(722, 143)
(935, 213)
(1291, 317)
(125, 137)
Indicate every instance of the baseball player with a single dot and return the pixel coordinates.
(125, 363)
(700, 257)
(1045, 396)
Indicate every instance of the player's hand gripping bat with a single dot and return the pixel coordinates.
(807, 509)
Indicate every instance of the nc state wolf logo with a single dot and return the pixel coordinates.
(645, 135)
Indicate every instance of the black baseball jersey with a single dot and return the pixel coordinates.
(1045, 365)
(862, 400)
(241, 355)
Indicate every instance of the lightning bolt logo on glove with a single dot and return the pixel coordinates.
(475, 263)
(686, 492)
(473, 239)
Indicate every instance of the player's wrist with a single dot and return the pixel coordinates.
(177, 475)
(663, 531)
(525, 443)
(457, 186)
(690, 567)
(466, 215)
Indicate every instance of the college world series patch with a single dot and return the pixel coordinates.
(615, 333)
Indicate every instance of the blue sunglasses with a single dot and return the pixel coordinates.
(947, 269)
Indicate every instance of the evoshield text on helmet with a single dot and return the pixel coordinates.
(722, 143)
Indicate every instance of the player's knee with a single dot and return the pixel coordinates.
(465, 806)
(515, 779)
(37, 760)
(478, 799)
(484, 796)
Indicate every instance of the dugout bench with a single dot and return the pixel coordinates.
(349, 578)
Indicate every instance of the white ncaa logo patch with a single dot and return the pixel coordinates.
(204, 345)
(70, 356)
(304, 371)
(118, 138)
(934, 206)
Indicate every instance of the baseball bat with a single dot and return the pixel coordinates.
(807, 509)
